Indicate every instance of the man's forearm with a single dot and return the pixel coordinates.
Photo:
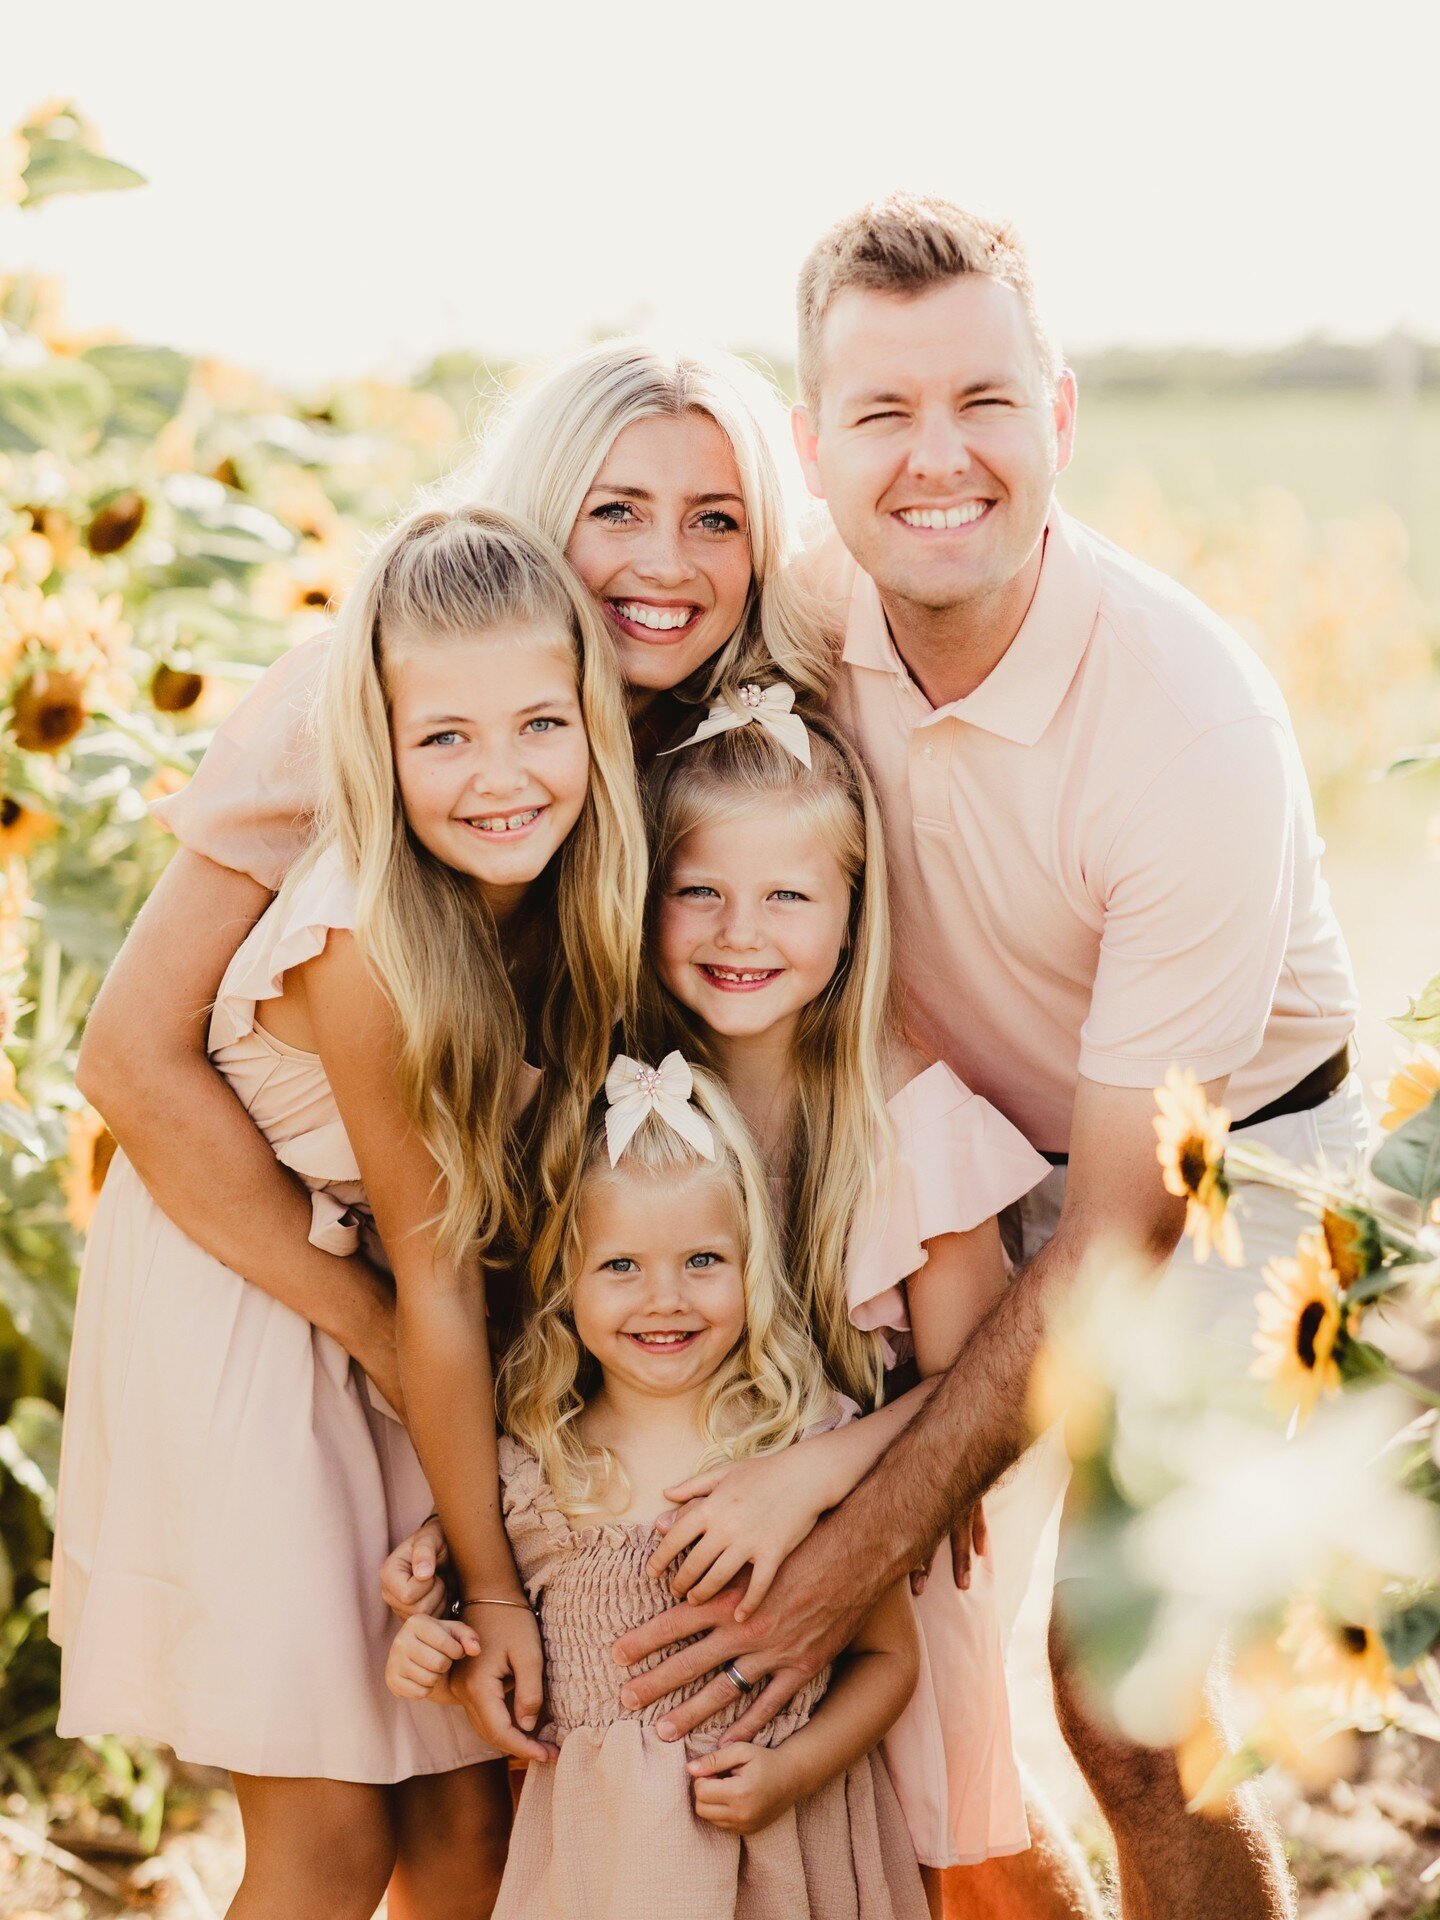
(970, 1431)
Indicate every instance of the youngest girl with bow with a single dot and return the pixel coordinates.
(664, 1332)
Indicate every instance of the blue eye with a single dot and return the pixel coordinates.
(622, 1264)
(717, 522)
(441, 739)
(614, 511)
(703, 1260)
(788, 893)
(696, 893)
(543, 723)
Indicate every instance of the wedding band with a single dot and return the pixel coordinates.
(737, 1679)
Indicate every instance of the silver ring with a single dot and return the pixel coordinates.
(737, 1679)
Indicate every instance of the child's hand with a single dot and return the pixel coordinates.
(422, 1655)
(742, 1787)
(502, 1690)
(752, 1513)
(410, 1580)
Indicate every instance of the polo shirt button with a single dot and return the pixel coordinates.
(927, 753)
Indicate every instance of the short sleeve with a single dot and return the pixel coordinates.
(1198, 893)
(954, 1162)
(538, 1531)
(251, 802)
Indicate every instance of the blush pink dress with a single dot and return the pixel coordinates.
(609, 1831)
(954, 1162)
(230, 1481)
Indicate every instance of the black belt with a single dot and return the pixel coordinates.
(1303, 1097)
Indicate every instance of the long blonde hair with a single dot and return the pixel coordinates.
(541, 457)
(843, 1036)
(424, 928)
(769, 1389)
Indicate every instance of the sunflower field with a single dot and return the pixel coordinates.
(170, 523)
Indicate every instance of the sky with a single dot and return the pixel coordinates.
(335, 191)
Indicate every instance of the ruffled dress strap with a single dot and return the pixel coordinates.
(954, 1162)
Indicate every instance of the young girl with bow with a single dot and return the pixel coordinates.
(664, 1331)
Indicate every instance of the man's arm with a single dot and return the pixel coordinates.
(970, 1431)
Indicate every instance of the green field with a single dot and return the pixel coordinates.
(1340, 452)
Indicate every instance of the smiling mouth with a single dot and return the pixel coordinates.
(503, 826)
(943, 519)
(655, 624)
(740, 979)
(673, 1340)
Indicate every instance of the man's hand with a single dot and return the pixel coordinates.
(813, 1610)
(967, 1542)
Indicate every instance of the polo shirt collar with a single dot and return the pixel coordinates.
(1021, 695)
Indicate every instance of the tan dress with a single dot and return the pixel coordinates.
(230, 1481)
(609, 1831)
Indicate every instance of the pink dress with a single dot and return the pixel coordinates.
(230, 1482)
(954, 1162)
(609, 1831)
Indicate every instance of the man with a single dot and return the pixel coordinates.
(1104, 862)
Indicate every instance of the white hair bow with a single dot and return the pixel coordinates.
(635, 1091)
(769, 706)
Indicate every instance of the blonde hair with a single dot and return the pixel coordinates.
(843, 1035)
(768, 1390)
(906, 244)
(541, 459)
(425, 928)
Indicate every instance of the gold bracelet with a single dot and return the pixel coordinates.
(460, 1605)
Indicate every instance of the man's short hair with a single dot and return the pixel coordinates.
(906, 244)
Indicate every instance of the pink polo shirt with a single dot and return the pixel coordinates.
(1104, 859)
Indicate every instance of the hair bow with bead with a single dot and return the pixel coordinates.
(635, 1091)
(768, 707)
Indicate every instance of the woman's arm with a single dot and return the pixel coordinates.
(743, 1787)
(143, 1065)
(441, 1336)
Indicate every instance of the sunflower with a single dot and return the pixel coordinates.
(1299, 1328)
(21, 828)
(49, 710)
(1343, 1659)
(1190, 1146)
(116, 521)
(174, 690)
(1352, 1243)
(1412, 1088)
(92, 1148)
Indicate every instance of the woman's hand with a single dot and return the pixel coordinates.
(752, 1513)
(741, 1788)
(502, 1687)
(423, 1655)
(410, 1580)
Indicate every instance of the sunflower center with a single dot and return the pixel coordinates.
(1355, 1640)
(1193, 1162)
(315, 597)
(10, 811)
(1306, 1328)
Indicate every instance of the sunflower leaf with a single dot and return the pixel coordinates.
(1409, 1161)
(69, 166)
(30, 1450)
(148, 384)
(1411, 1633)
(1421, 1019)
(17, 1124)
(59, 405)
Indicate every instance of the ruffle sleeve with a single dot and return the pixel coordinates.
(954, 1162)
(291, 931)
(251, 802)
(538, 1531)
